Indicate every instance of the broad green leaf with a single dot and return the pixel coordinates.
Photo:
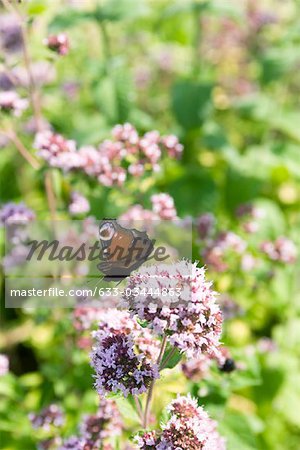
(171, 358)
(191, 102)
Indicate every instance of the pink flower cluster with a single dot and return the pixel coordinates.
(189, 428)
(178, 301)
(163, 208)
(215, 251)
(4, 364)
(58, 43)
(283, 250)
(113, 160)
(79, 204)
(10, 102)
(57, 151)
(118, 365)
(249, 214)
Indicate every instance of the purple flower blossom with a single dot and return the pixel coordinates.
(73, 443)
(58, 43)
(79, 204)
(107, 422)
(205, 225)
(11, 38)
(119, 368)
(15, 212)
(4, 364)
(6, 81)
(115, 321)
(10, 102)
(187, 312)
(17, 256)
(96, 429)
(52, 415)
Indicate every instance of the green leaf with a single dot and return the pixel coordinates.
(171, 358)
(126, 408)
(36, 7)
(115, 10)
(191, 102)
(237, 431)
(70, 18)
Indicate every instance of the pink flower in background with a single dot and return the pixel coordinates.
(126, 133)
(172, 145)
(137, 213)
(215, 252)
(113, 160)
(11, 102)
(163, 205)
(163, 208)
(4, 364)
(248, 262)
(79, 204)
(197, 369)
(58, 43)
(112, 176)
(283, 250)
(136, 169)
(92, 161)
(187, 312)
(57, 151)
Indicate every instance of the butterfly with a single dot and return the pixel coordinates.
(123, 250)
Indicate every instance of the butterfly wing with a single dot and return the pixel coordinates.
(124, 250)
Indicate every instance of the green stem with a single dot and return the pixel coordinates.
(151, 388)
